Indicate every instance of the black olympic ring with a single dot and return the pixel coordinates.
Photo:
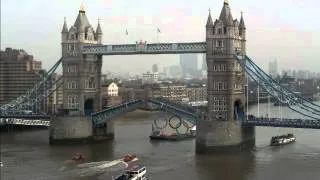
(178, 125)
(161, 127)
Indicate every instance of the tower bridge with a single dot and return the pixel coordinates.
(224, 125)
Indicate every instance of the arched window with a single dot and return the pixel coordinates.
(220, 85)
(225, 30)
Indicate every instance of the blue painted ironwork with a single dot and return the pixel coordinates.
(173, 109)
(277, 122)
(25, 122)
(33, 95)
(144, 48)
(112, 112)
(27, 116)
(283, 95)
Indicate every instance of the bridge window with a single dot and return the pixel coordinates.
(219, 43)
(220, 85)
(73, 101)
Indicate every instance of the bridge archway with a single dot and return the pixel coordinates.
(88, 106)
(238, 113)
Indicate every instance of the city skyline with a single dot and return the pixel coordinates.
(270, 34)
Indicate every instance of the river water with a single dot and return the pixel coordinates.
(27, 155)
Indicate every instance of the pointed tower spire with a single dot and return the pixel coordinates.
(99, 30)
(225, 14)
(242, 25)
(82, 7)
(65, 27)
(209, 21)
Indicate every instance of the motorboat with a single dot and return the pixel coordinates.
(283, 139)
(77, 157)
(133, 172)
(129, 157)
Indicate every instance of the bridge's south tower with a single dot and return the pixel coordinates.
(81, 73)
(221, 127)
(81, 85)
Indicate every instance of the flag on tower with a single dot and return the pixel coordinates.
(126, 32)
(158, 30)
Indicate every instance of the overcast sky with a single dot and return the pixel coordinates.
(286, 30)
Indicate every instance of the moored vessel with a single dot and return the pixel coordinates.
(133, 172)
(283, 139)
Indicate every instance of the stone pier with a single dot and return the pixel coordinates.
(77, 130)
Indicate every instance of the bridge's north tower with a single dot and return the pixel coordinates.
(221, 127)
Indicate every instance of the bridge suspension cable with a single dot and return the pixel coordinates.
(276, 90)
(34, 95)
(286, 90)
(285, 96)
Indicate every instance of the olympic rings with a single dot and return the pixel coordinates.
(161, 127)
(178, 125)
(178, 133)
(186, 124)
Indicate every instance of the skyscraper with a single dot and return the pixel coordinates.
(204, 62)
(155, 68)
(189, 64)
(273, 68)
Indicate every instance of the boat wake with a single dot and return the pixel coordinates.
(95, 168)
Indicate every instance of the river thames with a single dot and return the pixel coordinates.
(27, 155)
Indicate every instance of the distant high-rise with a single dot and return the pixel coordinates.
(18, 73)
(204, 62)
(273, 68)
(189, 64)
(155, 68)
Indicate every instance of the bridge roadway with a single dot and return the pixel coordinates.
(278, 122)
(188, 113)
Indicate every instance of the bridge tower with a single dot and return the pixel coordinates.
(81, 82)
(221, 129)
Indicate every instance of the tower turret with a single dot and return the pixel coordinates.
(99, 33)
(242, 27)
(209, 25)
(242, 34)
(64, 32)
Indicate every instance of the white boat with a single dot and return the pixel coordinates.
(281, 140)
(133, 172)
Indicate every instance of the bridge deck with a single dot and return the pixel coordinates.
(144, 48)
(278, 122)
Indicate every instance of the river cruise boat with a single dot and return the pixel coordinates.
(133, 172)
(283, 139)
